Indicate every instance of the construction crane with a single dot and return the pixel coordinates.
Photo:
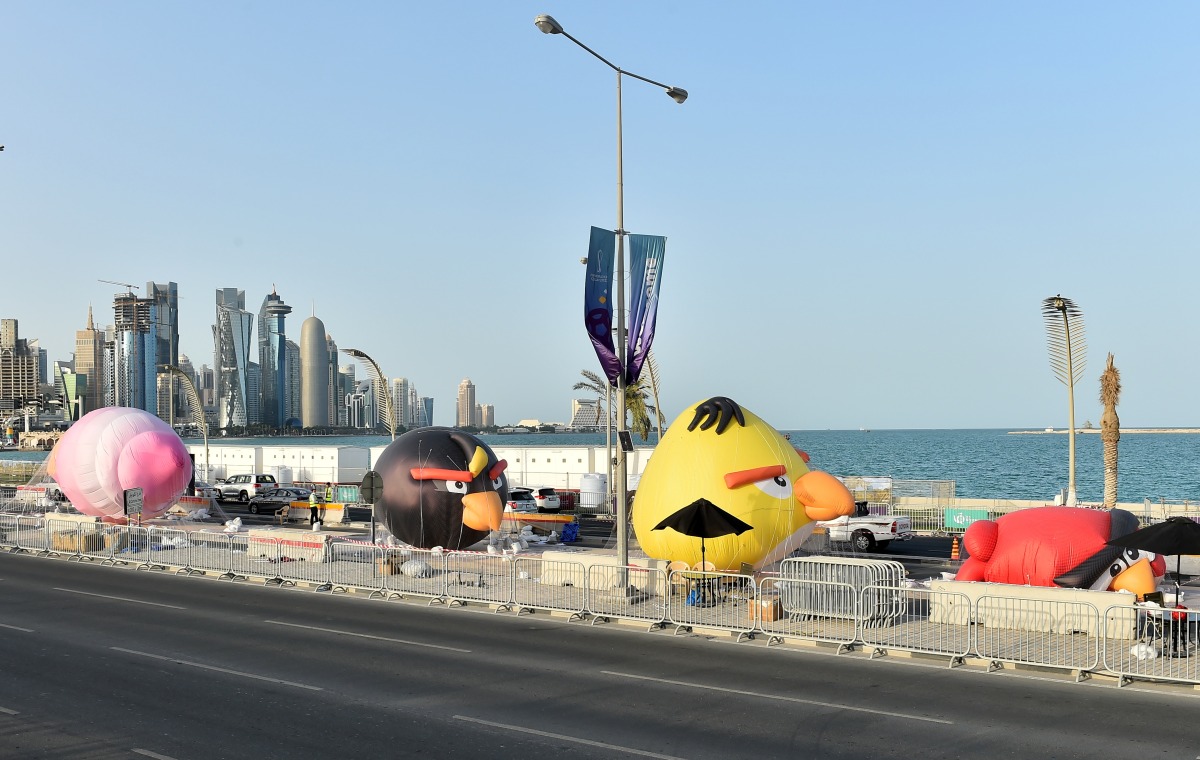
(128, 285)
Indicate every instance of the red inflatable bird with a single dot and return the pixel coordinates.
(1059, 546)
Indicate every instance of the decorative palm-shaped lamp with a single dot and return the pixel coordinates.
(1068, 356)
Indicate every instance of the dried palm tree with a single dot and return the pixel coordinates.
(635, 399)
(1068, 356)
(1110, 429)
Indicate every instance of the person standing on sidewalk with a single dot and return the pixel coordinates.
(313, 501)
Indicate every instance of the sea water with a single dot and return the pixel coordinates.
(984, 464)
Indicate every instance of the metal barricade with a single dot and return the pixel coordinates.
(811, 610)
(209, 553)
(65, 537)
(880, 606)
(415, 572)
(711, 600)
(296, 564)
(921, 626)
(478, 577)
(99, 541)
(168, 547)
(8, 531)
(631, 593)
(1152, 644)
(31, 535)
(356, 566)
(1053, 634)
(256, 559)
(540, 584)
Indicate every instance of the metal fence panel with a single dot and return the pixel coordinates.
(418, 572)
(210, 552)
(1152, 644)
(812, 610)
(478, 577)
(1038, 632)
(711, 600)
(540, 584)
(354, 565)
(913, 630)
(878, 606)
(31, 535)
(632, 593)
(8, 531)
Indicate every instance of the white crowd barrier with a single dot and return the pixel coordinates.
(832, 602)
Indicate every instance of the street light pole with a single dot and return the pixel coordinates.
(548, 25)
(189, 389)
(383, 394)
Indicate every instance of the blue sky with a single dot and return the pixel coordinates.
(865, 204)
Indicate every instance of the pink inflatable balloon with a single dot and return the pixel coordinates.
(118, 448)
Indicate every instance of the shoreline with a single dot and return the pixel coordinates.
(1182, 431)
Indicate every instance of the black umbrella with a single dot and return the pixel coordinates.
(702, 519)
(1175, 535)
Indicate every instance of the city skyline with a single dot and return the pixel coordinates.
(864, 205)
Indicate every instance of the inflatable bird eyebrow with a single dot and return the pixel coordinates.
(720, 452)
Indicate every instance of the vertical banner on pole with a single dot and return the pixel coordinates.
(597, 300)
(646, 254)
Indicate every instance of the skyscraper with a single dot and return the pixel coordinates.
(89, 363)
(400, 403)
(166, 351)
(135, 351)
(425, 414)
(465, 411)
(292, 372)
(18, 368)
(272, 360)
(231, 357)
(487, 416)
(337, 389)
(314, 374)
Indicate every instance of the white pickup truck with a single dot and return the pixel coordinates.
(867, 532)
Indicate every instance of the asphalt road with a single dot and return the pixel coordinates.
(110, 663)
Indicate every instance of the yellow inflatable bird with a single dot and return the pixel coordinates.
(732, 459)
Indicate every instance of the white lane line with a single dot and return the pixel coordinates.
(177, 661)
(119, 598)
(562, 737)
(15, 628)
(817, 703)
(7, 711)
(368, 636)
(148, 753)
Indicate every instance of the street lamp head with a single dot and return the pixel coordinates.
(547, 24)
(678, 94)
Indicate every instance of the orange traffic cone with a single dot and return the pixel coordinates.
(954, 549)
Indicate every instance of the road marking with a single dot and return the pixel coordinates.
(368, 636)
(119, 598)
(817, 703)
(177, 661)
(148, 753)
(562, 737)
(6, 711)
(15, 628)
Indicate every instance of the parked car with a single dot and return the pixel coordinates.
(269, 500)
(205, 490)
(520, 500)
(547, 499)
(243, 487)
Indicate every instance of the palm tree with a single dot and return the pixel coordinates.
(1068, 356)
(652, 372)
(635, 399)
(1110, 429)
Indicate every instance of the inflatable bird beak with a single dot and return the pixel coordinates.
(483, 510)
(1138, 578)
(823, 496)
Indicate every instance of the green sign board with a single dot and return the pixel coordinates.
(959, 519)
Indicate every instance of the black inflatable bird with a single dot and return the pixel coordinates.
(441, 487)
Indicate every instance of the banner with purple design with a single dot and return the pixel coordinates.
(597, 300)
(645, 268)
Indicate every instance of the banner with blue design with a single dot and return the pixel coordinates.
(646, 254)
(597, 300)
